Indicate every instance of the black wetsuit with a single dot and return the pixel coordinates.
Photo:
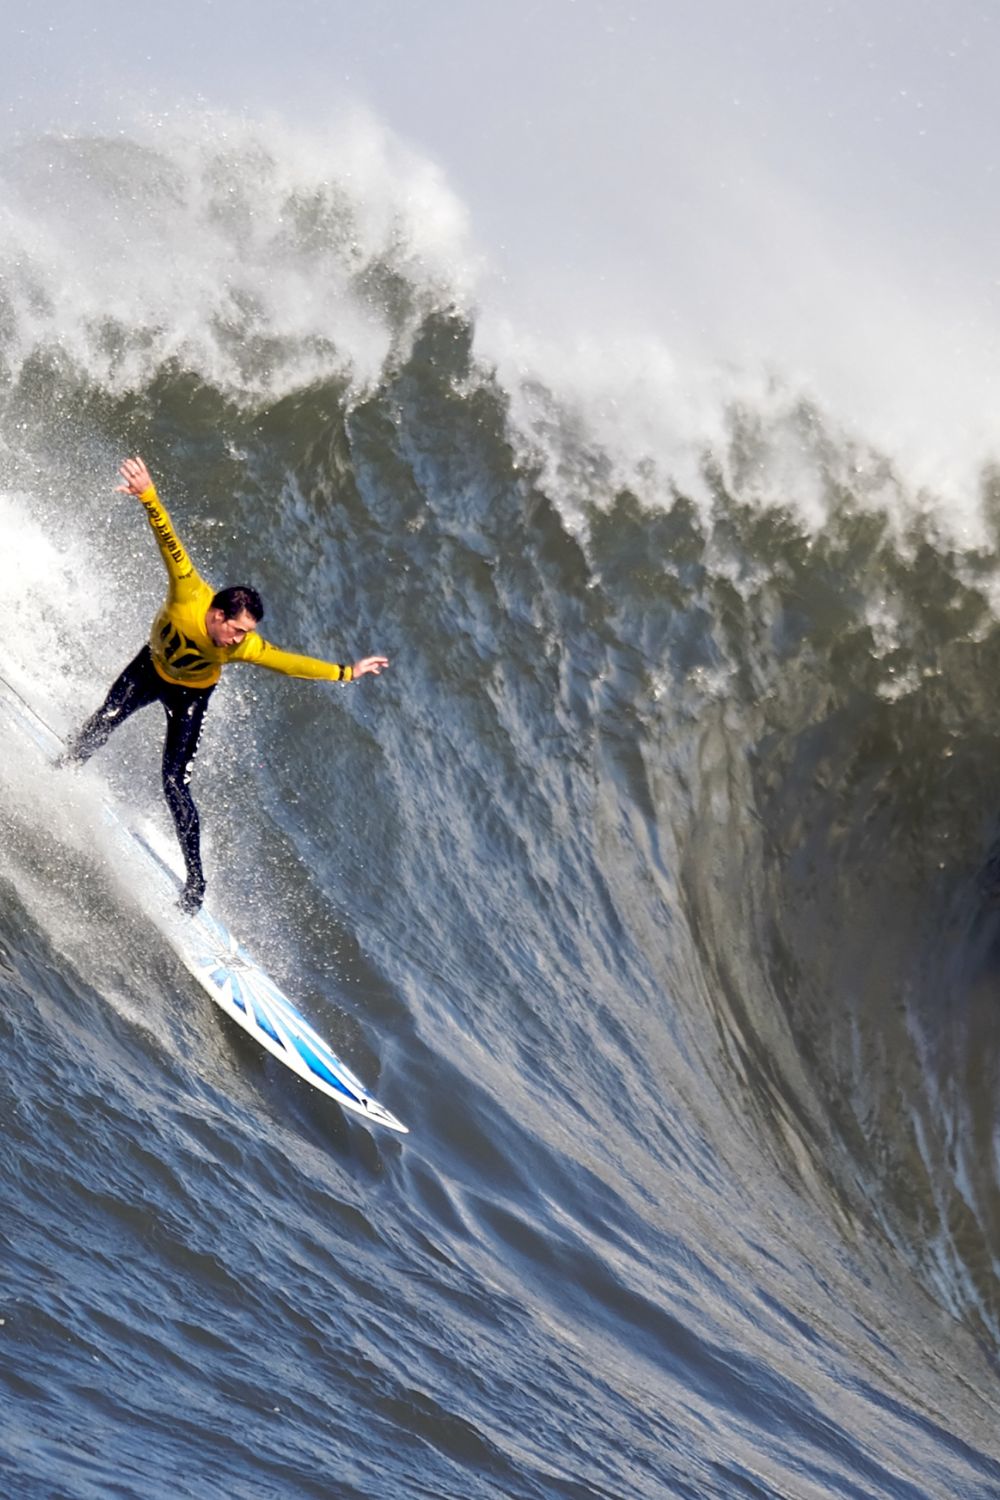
(138, 686)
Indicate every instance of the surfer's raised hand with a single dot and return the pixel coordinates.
(373, 664)
(136, 476)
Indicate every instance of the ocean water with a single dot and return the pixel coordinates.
(650, 887)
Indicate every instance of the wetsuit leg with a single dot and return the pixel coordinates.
(138, 686)
(185, 709)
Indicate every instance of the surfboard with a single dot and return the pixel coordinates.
(220, 964)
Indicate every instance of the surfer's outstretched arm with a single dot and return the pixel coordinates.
(139, 482)
(255, 649)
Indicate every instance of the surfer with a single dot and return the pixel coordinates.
(196, 633)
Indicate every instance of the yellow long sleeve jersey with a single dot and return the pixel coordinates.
(182, 650)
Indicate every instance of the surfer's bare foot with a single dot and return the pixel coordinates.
(192, 896)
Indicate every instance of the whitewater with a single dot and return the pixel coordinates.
(651, 886)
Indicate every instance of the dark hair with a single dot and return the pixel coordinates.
(239, 597)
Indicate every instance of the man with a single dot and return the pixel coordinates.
(196, 633)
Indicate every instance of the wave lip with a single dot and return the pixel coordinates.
(257, 258)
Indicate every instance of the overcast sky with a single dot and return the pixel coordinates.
(810, 180)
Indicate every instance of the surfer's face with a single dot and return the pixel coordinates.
(223, 632)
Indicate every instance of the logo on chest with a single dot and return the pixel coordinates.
(182, 655)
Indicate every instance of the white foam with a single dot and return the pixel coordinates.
(249, 253)
(264, 257)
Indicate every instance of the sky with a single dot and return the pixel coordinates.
(805, 183)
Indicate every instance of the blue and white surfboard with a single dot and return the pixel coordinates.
(223, 967)
(242, 989)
